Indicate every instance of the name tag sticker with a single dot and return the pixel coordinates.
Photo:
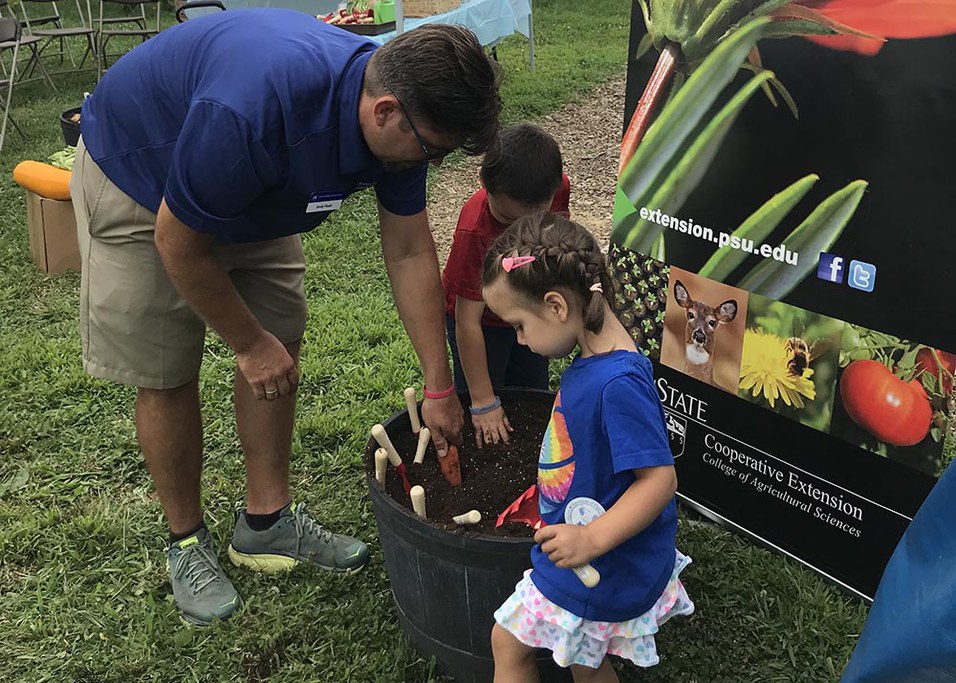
(324, 201)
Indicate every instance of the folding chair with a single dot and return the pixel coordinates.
(32, 63)
(50, 28)
(126, 18)
(9, 42)
(191, 7)
(141, 29)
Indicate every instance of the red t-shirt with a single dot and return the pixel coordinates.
(476, 231)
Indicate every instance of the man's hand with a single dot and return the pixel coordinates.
(444, 419)
(208, 289)
(268, 368)
(492, 427)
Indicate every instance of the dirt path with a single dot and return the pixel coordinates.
(589, 133)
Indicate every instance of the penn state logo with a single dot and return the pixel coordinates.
(676, 432)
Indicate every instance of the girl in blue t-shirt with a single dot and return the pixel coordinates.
(606, 478)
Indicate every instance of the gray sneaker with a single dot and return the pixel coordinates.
(201, 590)
(294, 539)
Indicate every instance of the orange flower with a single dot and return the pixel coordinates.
(880, 19)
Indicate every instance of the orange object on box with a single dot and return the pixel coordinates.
(50, 219)
(43, 179)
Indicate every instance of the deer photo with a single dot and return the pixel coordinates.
(700, 332)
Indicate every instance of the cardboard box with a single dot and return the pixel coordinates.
(52, 227)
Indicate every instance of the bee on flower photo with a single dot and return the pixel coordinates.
(789, 361)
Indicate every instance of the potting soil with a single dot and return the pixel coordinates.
(492, 476)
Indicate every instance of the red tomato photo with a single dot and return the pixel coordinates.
(894, 411)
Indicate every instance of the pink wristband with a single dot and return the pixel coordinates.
(438, 394)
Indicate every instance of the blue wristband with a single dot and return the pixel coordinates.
(486, 409)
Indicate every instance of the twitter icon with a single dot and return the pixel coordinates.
(862, 276)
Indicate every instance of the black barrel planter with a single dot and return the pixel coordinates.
(70, 128)
(447, 585)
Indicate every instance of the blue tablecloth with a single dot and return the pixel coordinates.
(490, 20)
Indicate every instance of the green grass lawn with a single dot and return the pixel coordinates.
(83, 587)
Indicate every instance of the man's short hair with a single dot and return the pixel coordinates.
(525, 165)
(441, 74)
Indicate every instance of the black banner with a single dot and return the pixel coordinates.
(835, 508)
(781, 247)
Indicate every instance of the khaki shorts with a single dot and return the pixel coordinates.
(134, 326)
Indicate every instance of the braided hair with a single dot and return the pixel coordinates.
(567, 258)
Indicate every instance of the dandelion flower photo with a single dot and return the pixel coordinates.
(764, 372)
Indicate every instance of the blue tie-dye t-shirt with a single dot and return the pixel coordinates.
(607, 420)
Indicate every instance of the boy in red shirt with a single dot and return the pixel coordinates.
(522, 175)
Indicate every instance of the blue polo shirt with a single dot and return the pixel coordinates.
(246, 122)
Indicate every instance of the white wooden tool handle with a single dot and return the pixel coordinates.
(381, 463)
(424, 436)
(418, 501)
(411, 402)
(379, 434)
(583, 510)
(470, 517)
(589, 576)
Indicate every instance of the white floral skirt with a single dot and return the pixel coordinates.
(538, 622)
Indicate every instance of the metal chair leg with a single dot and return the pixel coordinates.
(6, 106)
(33, 64)
(87, 53)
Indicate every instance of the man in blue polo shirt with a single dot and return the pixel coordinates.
(205, 152)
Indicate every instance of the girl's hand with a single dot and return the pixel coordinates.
(491, 427)
(567, 545)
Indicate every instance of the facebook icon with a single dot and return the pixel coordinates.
(830, 268)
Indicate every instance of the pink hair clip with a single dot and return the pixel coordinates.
(509, 263)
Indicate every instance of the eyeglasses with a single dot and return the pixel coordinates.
(431, 153)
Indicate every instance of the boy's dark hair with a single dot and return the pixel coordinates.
(441, 74)
(525, 165)
(567, 258)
